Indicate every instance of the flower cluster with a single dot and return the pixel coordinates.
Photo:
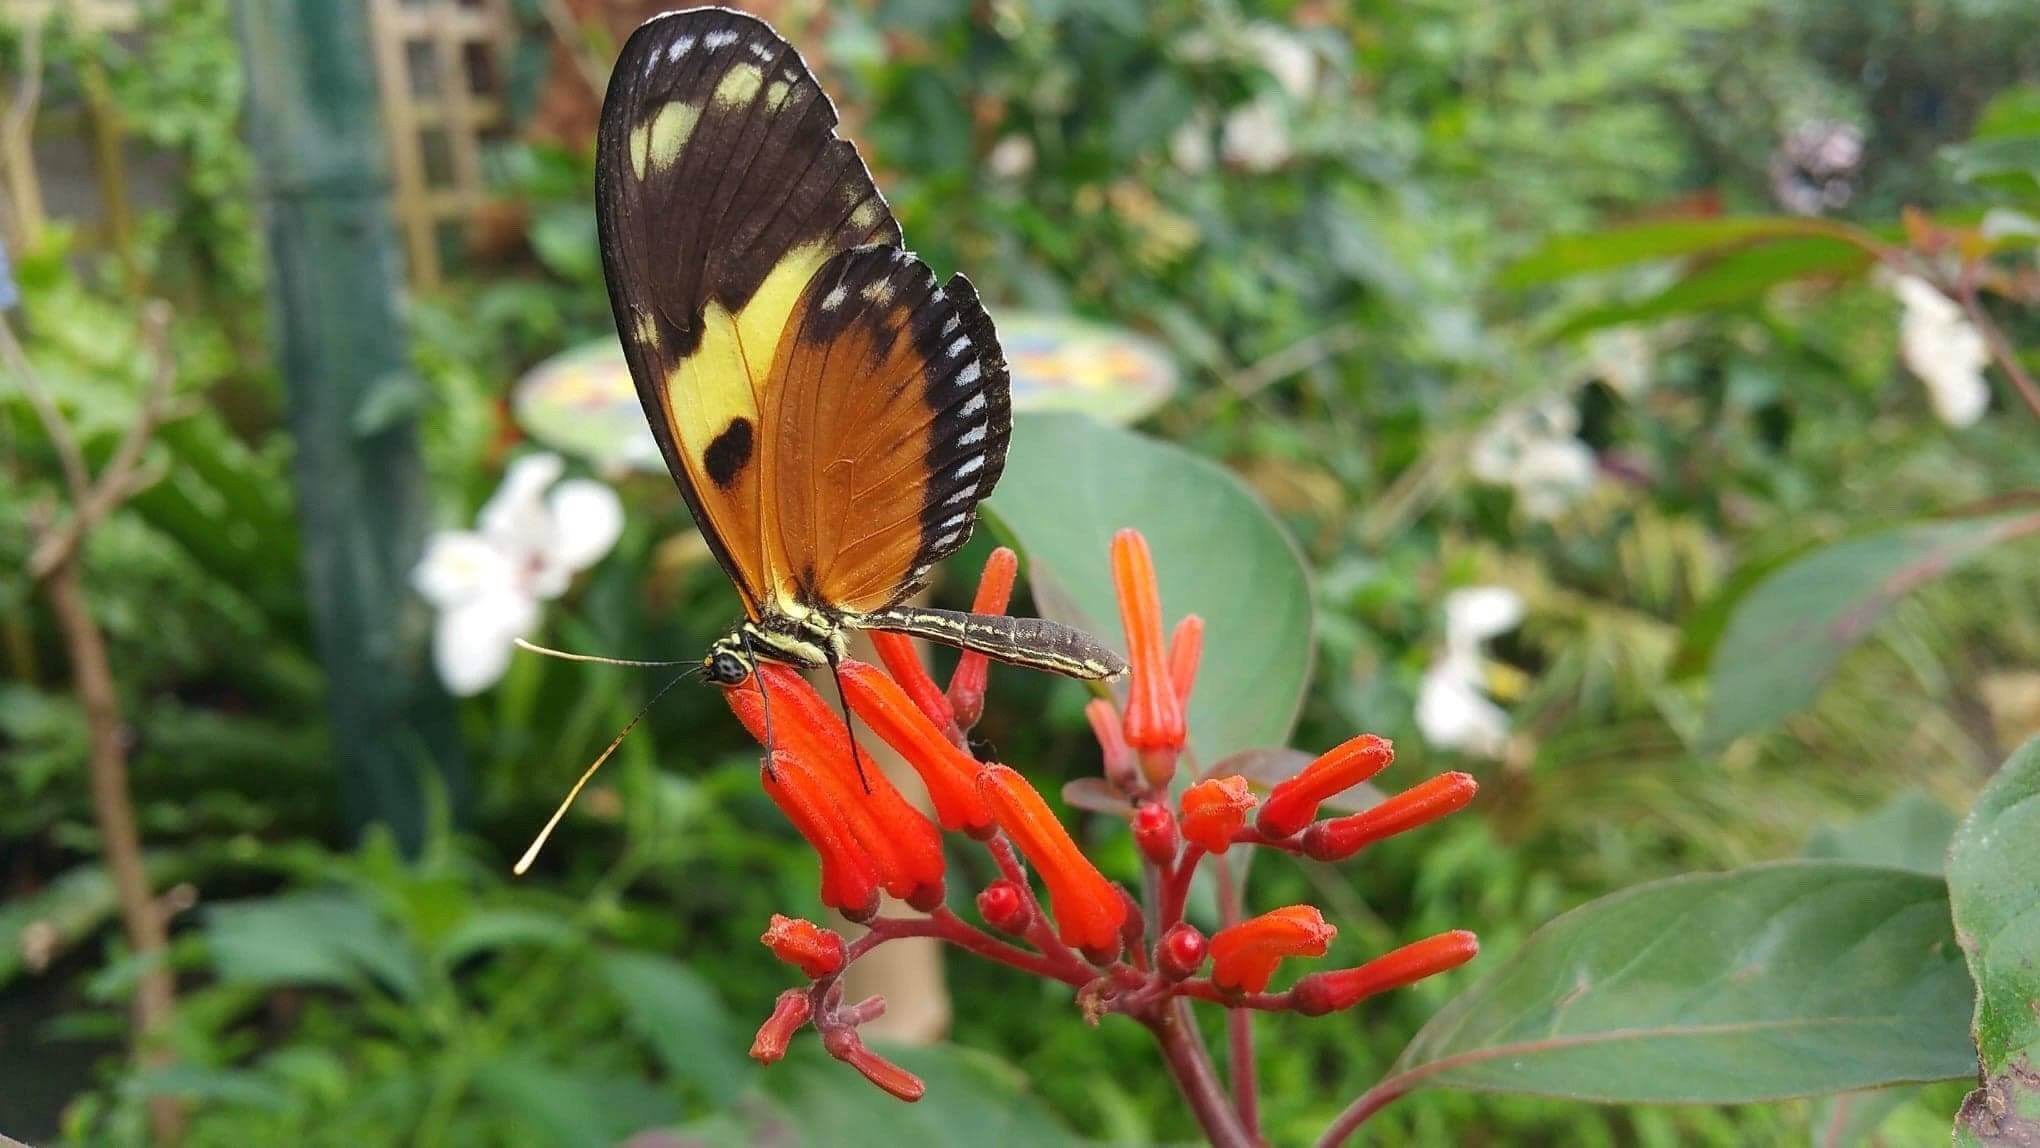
(1136, 957)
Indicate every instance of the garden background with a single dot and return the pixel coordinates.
(1555, 335)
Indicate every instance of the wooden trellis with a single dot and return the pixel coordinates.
(440, 69)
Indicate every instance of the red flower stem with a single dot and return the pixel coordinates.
(1252, 835)
(1040, 932)
(1202, 988)
(1239, 1022)
(947, 927)
(1190, 1064)
(1176, 886)
(1357, 1113)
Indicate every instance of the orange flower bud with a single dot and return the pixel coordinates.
(849, 881)
(1244, 956)
(1320, 993)
(903, 661)
(904, 848)
(1154, 715)
(994, 593)
(1293, 803)
(1086, 908)
(844, 1045)
(1214, 810)
(1181, 952)
(1186, 650)
(805, 945)
(1154, 830)
(1004, 907)
(791, 1011)
(1425, 802)
(949, 773)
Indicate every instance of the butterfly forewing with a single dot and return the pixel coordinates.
(887, 418)
(721, 190)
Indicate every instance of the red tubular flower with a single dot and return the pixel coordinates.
(844, 1045)
(903, 661)
(1186, 650)
(1214, 810)
(1293, 803)
(1004, 907)
(949, 773)
(1154, 830)
(1244, 956)
(1087, 909)
(1118, 756)
(1181, 952)
(1154, 715)
(1425, 802)
(849, 880)
(994, 592)
(903, 847)
(791, 1011)
(805, 945)
(1320, 993)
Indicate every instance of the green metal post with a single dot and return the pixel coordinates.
(334, 285)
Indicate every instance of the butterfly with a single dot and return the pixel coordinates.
(832, 415)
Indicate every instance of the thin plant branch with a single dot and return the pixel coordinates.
(55, 564)
(1994, 339)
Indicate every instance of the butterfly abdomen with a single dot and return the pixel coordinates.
(1033, 642)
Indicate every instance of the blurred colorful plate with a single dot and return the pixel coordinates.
(1060, 363)
(580, 402)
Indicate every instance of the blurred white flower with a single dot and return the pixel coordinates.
(1011, 159)
(1622, 359)
(1190, 147)
(1453, 709)
(1256, 136)
(1944, 349)
(1532, 449)
(529, 541)
(1286, 56)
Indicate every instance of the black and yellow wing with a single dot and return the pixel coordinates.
(721, 190)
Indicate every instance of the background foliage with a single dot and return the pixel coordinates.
(1476, 205)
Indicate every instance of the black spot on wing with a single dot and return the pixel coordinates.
(730, 450)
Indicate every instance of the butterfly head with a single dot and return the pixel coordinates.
(727, 663)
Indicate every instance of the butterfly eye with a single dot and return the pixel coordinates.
(725, 668)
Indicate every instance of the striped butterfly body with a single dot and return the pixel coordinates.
(832, 414)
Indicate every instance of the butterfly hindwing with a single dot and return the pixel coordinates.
(887, 421)
(722, 189)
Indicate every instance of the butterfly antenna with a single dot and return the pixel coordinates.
(531, 854)
(855, 757)
(564, 656)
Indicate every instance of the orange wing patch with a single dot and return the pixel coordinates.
(886, 422)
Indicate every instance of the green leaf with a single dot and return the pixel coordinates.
(1731, 280)
(1571, 255)
(1071, 483)
(1786, 637)
(573, 1108)
(972, 1098)
(1911, 831)
(333, 939)
(1782, 980)
(673, 1010)
(1992, 886)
